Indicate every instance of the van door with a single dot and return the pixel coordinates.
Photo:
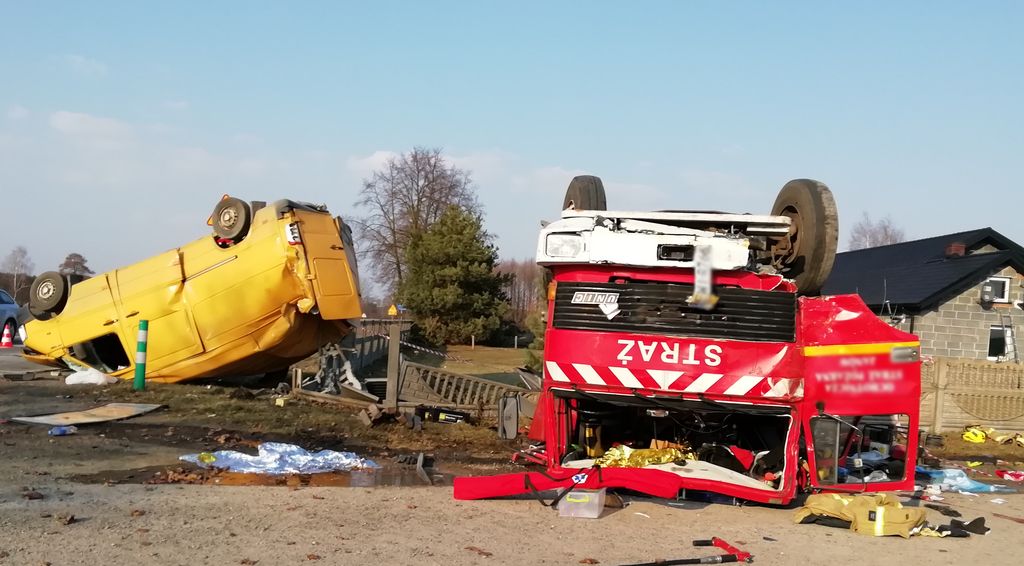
(334, 281)
(88, 327)
(153, 290)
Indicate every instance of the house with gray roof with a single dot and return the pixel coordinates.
(961, 293)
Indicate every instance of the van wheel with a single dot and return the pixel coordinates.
(49, 293)
(585, 192)
(231, 219)
(807, 253)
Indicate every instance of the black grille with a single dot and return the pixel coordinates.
(660, 308)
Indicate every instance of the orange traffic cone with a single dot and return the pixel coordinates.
(7, 341)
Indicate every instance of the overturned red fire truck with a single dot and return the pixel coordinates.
(690, 351)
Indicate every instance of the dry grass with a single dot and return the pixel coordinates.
(212, 407)
(484, 360)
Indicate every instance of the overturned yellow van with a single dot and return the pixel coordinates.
(268, 288)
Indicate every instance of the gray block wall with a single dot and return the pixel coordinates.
(959, 328)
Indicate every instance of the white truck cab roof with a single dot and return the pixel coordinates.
(656, 239)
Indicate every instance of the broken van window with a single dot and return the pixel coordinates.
(104, 353)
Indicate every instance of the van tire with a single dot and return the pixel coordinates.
(807, 253)
(585, 192)
(231, 219)
(48, 294)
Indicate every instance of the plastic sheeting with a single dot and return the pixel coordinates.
(280, 458)
(957, 480)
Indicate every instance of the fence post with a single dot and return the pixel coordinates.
(394, 365)
(941, 381)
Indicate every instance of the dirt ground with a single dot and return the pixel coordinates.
(97, 476)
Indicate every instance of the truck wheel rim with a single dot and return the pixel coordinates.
(45, 290)
(228, 217)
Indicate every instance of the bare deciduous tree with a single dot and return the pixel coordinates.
(867, 233)
(19, 266)
(408, 194)
(521, 288)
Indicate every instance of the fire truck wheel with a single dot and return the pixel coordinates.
(231, 219)
(585, 192)
(48, 294)
(806, 254)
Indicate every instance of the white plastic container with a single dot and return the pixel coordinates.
(586, 503)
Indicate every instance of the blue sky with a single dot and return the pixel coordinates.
(121, 124)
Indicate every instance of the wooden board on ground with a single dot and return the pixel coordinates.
(106, 413)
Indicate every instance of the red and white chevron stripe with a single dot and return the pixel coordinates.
(673, 380)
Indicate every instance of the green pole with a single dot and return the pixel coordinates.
(140, 357)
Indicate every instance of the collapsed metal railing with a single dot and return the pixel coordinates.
(430, 385)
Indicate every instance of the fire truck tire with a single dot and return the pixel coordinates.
(231, 219)
(806, 255)
(585, 192)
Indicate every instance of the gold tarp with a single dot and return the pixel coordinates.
(626, 457)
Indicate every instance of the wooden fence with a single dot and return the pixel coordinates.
(956, 393)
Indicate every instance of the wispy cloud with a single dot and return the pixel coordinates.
(365, 166)
(93, 132)
(245, 138)
(86, 67)
(176, 104)
(17, 112)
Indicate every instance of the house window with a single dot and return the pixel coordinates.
(996, 343)
(999, 289)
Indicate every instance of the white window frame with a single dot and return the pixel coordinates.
(1006, 288)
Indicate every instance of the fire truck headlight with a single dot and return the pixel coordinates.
(905, 354)
(563, 245)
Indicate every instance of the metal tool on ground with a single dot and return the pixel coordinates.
(733, 555)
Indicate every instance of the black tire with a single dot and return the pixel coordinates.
(231, 219)
(49, 293)
(585, 192)
(806, 255)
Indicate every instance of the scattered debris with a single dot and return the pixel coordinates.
(106, 413)
(62, 430)
(589, 561)
(957, 480)
(998, 501)
(644, 515)
(1009, 518)
(1011, 475)
(480, 551)
(280, 458)
(90, 376)
(944, 509)
(241, 393)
